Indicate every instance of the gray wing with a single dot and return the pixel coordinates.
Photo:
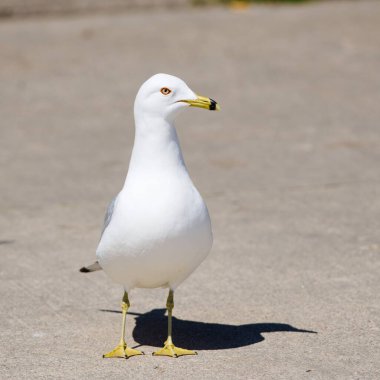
(107, 220)
(108, 216)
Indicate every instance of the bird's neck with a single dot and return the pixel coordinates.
(156, 148)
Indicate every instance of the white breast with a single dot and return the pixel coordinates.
(159, 233)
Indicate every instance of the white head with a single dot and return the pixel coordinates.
(163, 95)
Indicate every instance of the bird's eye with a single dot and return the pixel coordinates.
(165, 91)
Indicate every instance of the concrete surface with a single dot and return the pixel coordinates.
(289, 169)
(17, 8)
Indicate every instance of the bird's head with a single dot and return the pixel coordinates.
(164, 95)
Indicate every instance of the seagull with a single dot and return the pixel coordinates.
(157, 230)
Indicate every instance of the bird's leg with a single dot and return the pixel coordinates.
(122, 350)
(169, 348)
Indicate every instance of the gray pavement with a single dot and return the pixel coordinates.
(289, 169)
(21, 8)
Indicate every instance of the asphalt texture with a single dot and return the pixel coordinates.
(289, 169)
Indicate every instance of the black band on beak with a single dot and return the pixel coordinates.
(212, 105)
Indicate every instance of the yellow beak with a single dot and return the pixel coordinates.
(203, 102)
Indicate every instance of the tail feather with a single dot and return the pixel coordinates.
(91, 268)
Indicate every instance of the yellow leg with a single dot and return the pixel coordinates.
(122, 350)
(169, 348)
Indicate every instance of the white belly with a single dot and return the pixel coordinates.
(157, 237)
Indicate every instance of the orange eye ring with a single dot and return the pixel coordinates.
(165, 91)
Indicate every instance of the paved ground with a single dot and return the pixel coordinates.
(16, 8)
(289, 169)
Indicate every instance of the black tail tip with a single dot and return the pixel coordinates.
(84, 270)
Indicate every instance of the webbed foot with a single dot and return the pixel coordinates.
(122, 351)
(171, 350)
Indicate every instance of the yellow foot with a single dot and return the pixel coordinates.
(173, 351)
(122, 351)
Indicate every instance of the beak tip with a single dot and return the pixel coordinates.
(214, 106)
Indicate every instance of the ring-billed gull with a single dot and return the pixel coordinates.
(157, 230)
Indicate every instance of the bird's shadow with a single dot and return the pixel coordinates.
(151, 328)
